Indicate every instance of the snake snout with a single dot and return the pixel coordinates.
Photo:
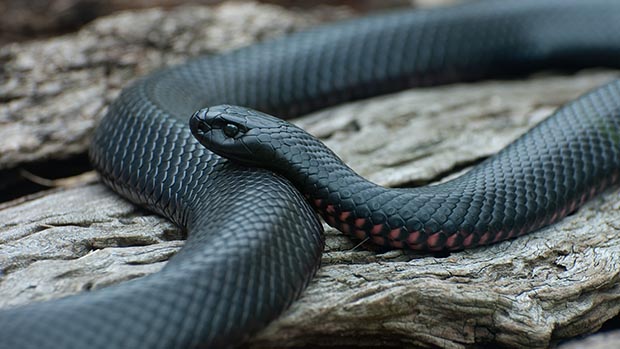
(222, 131)
(205, 129)
(197, 124)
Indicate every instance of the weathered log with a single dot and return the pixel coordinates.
(605, 340)
(557, 283)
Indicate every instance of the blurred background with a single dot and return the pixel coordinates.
(24, 20)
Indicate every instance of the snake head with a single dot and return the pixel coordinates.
(240, 134)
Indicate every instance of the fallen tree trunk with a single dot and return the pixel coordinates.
(529, 292)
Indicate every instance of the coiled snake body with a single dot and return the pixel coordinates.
(253, 241)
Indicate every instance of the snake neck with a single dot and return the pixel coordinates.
(335, 190)
(313, 168)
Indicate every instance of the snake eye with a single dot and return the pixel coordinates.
(231, 130)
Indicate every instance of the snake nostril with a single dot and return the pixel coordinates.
(204, 127)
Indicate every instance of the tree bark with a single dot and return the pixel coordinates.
(530, 292)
